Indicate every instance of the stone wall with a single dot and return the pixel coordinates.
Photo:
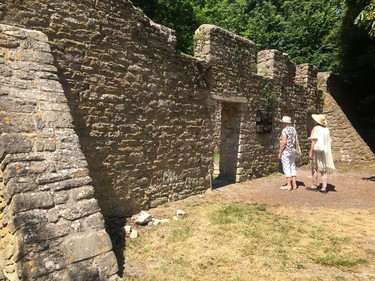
(240, 87)
(51, 226)
(107, 104)
(142, 121)
(348, 146)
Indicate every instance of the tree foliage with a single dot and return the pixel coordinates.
(310, 32)
(306, 30)
(175, 14)
(357, 60)
(366, 18)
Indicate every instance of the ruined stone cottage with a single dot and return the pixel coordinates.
(101, 117)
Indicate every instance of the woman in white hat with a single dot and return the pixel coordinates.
(287, 152)
(320, 153)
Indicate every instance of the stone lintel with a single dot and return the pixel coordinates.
(230, 99)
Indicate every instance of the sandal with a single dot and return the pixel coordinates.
(323, 190)
(312, 188)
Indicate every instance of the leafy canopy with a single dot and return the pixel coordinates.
(306, 30)
(366, 18)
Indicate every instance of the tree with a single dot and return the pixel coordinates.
(311, 31)
(366, 18)
(265, 26)
(229, 14)
(306, 30)
(358, 59)
(175, 14)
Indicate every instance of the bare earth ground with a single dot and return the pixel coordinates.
(351, 200)
(352, 186)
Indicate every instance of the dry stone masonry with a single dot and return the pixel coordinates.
(51, 223)
(239, 88)
(142, 122)
(100, 117)
(349, 146)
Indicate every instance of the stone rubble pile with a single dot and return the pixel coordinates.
(145, 219)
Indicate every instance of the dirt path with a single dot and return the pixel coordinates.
(353, 186)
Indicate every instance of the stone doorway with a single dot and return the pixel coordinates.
(229, 141)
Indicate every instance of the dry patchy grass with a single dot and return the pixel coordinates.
(235, 241)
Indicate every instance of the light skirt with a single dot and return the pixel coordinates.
(319, 164)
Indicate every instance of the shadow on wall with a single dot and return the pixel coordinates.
(97, 170)
(346, 96)
(115, 229)
(114, 226)
(40, 234)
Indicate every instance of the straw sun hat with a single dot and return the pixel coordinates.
(286, 120)
(320, 119)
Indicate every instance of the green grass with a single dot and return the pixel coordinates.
(179, 234)
(333, 251)
(236, 241)
(216, 158)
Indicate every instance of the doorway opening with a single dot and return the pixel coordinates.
(226, 162)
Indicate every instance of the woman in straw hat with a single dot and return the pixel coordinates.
(320, 153)
(287, 152)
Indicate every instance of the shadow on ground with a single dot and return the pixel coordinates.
(218, 183)
(372, 178)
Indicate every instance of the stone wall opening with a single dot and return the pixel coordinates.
(229, 141)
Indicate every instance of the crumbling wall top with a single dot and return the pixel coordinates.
(219, 46)
(276, 65)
